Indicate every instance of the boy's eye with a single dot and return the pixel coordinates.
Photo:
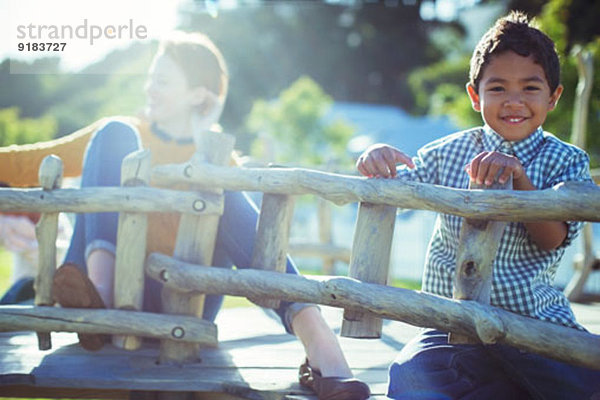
(532, 88)
(496, 89)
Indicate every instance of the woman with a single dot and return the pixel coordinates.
(186, 90)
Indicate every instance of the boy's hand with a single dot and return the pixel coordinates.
(379, 160)
(484, 168)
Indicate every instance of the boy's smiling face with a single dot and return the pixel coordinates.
(514, 96)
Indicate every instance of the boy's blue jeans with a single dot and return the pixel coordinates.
(235, 237)
(429, 368)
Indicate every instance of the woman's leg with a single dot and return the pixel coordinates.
(235, 241)
(93, 243)
(235, 244)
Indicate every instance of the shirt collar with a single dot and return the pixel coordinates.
(166, 137)
(525, 150)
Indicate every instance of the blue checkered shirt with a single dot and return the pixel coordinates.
(523, 273)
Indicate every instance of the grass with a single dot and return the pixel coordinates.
(5, 263)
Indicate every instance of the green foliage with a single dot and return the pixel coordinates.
(451, 99)
(113, 86)
(15, 130)
(5, 270)
(295, 124)
(358, 53)
(424, 81)
(558, 20)
(439, 89)
(361, 53)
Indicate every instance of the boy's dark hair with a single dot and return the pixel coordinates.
(515, 33)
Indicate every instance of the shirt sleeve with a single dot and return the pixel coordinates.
(425, 170)
(575, 169)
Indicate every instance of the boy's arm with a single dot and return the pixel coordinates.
(547, 235)
(484, 169)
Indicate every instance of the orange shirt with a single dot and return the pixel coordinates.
(19, 166)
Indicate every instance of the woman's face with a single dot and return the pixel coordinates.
(168, 96)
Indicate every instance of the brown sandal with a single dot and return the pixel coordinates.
(71, 288)
(332, 388)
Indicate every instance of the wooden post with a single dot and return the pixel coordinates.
(369, 262)
(325, 236)
(131, 247)
(477, 247)
(272, 238)
(195, 244)
(46, 230)
(585, 262)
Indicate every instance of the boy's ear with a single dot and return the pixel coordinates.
(554, 97)
(474, 97)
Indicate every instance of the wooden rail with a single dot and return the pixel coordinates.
(105, 199)
(113, 322)
(489, 324)
(569, 201)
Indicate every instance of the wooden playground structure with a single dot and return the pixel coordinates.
(172, 365)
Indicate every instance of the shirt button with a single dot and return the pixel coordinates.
(506, 147)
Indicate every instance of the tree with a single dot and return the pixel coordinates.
(295, 128)
(107, 87)
(361, 52)
(14, 130)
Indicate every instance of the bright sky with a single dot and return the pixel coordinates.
(90, 28)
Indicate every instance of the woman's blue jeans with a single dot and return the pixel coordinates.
(235, 236)
(430, 368)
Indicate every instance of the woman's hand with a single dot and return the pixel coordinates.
(379, 160)
(17, 233)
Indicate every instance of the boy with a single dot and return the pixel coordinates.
(514, 83)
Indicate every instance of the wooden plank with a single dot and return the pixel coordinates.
(324, 221)
(477, 247)
(258, 362)
(236, 368)
(272, 238)
(369, 262)
(196, 237)
(46, 231)
(131, 247)
(29, 392)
